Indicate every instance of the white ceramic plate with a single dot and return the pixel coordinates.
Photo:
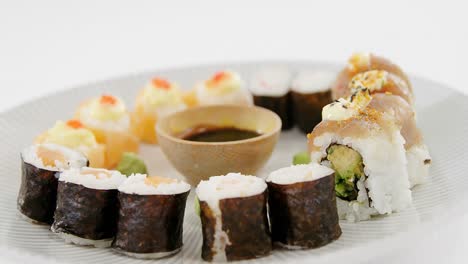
(441, 115)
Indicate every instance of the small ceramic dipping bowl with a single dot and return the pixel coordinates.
(199, 160)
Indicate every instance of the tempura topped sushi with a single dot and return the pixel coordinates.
(378, 81)
(225, 87)
(156, 100)
(75, 135)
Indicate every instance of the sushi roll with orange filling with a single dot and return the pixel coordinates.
(87, 206)
(75, 135)
(158, 99)
(151, 216)
(40, 168)
(310, 93)
(225, 87)
(107, 117)
(362, 62)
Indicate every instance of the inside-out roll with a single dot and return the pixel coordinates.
(270, 87)
(310, 91)
(107, 117)
(87, 206)
(224, 87)
(366, 149)
(40, 167)
(302, 206)
(363, 62)
(417, 153)
(151, 216)
(234, 217)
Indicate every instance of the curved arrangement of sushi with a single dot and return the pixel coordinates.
(365, 153)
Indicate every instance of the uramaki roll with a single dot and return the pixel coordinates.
(223, 88)
(417, 153)
(365, 147)
(75, 135)
(156, 100)
(270, 89)
(40, 168)
(234, 217)
(87, 206)
(302, 206)
(310, 93)
(151, 216)
(107, 117)
(362, 62)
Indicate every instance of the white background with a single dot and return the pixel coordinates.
(46, 46)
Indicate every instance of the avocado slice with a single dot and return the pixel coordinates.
(349, 168)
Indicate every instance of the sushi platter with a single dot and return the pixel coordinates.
(267, 161)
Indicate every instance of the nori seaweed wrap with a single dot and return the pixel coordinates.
(151, 216)
(87, 206)
(270, 89)
(234, 218)
(302, 206)
(40, 166)
(310, 92)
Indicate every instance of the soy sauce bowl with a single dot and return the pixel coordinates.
(199, 160)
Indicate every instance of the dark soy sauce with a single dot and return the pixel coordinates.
(210, 133)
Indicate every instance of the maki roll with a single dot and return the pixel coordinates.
(270, 89)
(302, 206)
(225, 87)
(366, 150)
(378, 81)
(40, 166)
(151, 216)
(156, 100)
(362, 62)
(75, 135)
(107, 117)
(417, 153)
(87, 206)
(310, 93)
(234, 217)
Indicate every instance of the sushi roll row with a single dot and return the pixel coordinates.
(299, 202)
(371, 140)
(297, 99)
(140, 216)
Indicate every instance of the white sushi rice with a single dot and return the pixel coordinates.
(106, 180)
(311, 81)
(72, 239)
(216, 188)
(74, 159)
(418, 169)
(299, 173)
(385, 164)
(148, 255)
(271, 81)
(135, 184)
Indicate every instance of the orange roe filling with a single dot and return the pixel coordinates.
(217, 77)
(49, 156)
(108, 99)
(73, 123)
(161, 83)
(156, 180)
